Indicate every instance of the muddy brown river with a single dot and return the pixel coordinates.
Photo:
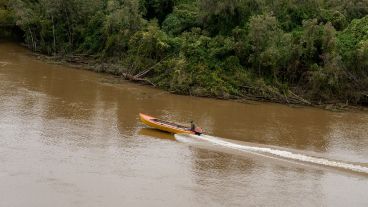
(71, 137)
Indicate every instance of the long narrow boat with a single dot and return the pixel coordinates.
(165, 125)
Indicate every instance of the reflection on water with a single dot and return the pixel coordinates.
(154, 133)
(73, 138)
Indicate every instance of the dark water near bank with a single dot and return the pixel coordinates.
(72, 138)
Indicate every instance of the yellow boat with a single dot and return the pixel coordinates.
(166, 126)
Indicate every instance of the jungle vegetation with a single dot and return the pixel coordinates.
(310, 51)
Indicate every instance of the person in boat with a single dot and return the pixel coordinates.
(196, 130)
(192, 126)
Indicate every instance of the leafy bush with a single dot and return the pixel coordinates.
(224, 48)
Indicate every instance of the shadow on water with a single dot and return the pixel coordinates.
(149, 132)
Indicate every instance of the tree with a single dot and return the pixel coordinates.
(183, 18)
(158, 9)
(221, 16)
(362, 57)
(269, 45)
(121, 22)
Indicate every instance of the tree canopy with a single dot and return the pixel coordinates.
(316, 49)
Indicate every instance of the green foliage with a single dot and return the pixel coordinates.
(221, 16)
(93, 39)
(291, 13)
(269, 46)
(121, 22)
(350, 38)
(362, 57)
(317, 49)
(158, 9)
(337, 19)
(355, 9)
(6, 19)
(184, 17)
(146, 48)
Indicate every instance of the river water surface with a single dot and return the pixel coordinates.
(73, 138)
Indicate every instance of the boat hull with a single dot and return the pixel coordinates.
(164, 126)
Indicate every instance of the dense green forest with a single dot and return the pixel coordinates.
(280, 50)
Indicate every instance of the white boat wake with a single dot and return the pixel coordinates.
(273, 152)
(3, 64)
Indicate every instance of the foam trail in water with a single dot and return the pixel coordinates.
(275, 152)
(2, 64)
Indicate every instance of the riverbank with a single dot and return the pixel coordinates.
(87, 62)
(284, 52)
(64, 131)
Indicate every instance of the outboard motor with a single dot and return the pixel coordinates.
(198, 131)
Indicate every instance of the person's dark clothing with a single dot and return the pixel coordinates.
(192, 126)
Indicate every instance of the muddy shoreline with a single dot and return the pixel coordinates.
(91, 63)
